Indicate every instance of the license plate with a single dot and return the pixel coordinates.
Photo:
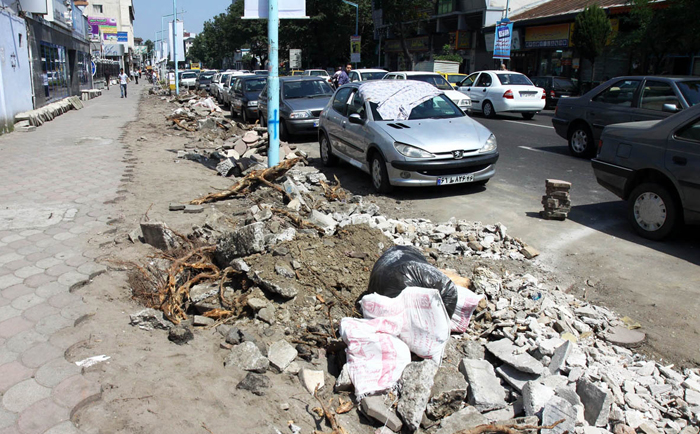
(315, 124)
(456, 179)
(528, 95)
(563, 96)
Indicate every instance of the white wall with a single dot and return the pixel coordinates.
(15, 75)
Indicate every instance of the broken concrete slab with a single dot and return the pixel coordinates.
(149, 319)
(244, 241)
(256, 383)
(448, 393)
(485, 390)
(506, 351)
(193, 209)
(311, 379)
(558, 360)
(466, 418)
(375, 408)
(248, 357)
(281, 354)
(514, 377)
(556, 409)
(535, 396)
(226, 167)
(625, 337)
(287, 290)
(596, 402)
(416, 383)
(158, 235)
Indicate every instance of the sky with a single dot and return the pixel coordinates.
(149, 13)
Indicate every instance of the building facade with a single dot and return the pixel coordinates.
(111, 30)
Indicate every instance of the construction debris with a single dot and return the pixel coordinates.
(37, 117)
(556, 201)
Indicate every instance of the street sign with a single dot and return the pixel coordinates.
(355, 48)
(501, 41)
(255, 9)
(94, 68)
(295, 58)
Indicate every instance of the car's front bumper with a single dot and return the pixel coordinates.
(612, 176)
(252, 112)
(301, 126)
(425, 173)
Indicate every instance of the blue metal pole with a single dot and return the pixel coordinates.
(177, 82)
(273, 86)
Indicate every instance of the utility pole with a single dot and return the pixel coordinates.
(273, 86)
(177, 82)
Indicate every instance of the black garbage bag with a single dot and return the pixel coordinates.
(403, 266)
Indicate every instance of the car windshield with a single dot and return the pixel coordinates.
(306, 89)
(436, 80)
(318, 73)
(207, 74)
(255, 84)
(563, 84)
(366, 76)
(439, 107)
(690, 91)
(507, 79)
(188, 75)
(454, 78)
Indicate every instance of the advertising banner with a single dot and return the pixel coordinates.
(295, 58)
(123, 37)
(105, 24)
(255, 9)
(180, 45)
(502, 41)
(556, 35)
(355, 48)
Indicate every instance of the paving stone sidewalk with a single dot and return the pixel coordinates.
(55, 190)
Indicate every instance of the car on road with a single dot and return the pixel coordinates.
(219, 85)
(317, 73)
(204, 79)
(244, 96)
(555, 88)
(453, 78)
(459, 98)
(264, 72)
(623, 99)
(188, 79)
(405, 133)
(655, 167)
(366, 74)
(296, 72)
(301, 101)
(494, 92)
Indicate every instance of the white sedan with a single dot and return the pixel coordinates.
(494, 92)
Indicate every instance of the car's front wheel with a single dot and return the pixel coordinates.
(244, 115)
(284, 134)
(327, 157)
(581, 141)
(528, 116)
(380, 176)
(263, 122)
(488, 110)
(652, 211)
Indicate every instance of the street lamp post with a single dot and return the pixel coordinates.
(357, 17)
(177, 82)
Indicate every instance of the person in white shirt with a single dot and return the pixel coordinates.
(123, 79)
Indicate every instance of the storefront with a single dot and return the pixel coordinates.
(418, 47)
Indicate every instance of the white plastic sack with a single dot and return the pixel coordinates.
(376, 358)
(207, 103)
(420, 315)
(466, 303)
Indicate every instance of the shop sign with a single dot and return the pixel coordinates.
(461, 40)
(421, 43)
(113, 50)
(556, 35)
(355, 48)
(502, 41)
(96, 24)
(123, 37)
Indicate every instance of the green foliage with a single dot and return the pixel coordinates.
(448, 55)
(149, 46)
(404, 15)
(591, 32)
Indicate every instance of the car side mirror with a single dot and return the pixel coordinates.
(356, 119)
(670, 108)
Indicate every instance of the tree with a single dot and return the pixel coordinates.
(591, 32)
(400, 15)
(149, 47)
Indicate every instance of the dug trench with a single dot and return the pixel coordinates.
(233, 353)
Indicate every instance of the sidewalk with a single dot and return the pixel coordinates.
(55, 189)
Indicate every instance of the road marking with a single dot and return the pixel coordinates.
(532, 125)
(530, 149)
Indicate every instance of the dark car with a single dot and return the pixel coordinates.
(624, 99)
(655, 167)
(204, 79)
(555, 88)
(244, 96)
(302, 99)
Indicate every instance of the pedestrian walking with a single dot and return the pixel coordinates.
(136, 76)
(343, 78)
(107, 79)
(123, 80)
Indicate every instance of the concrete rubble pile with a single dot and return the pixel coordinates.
(556, 201)
(533, 354)
(26, 121)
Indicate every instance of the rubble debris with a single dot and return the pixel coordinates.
(248, 357)
(37, 117)
(448, 393)
(193, 209)
(149, 319)
(256, 383)
(374, 408)
(596, 402)
(556, 200)
(625, 337)
(505, 350)
(311, 379)
(176, 207)
(180, 335)
(485, 390)
(416, 384)
(158, 235)
(468, 417)
(281, 354)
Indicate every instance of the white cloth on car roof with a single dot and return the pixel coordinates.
(396, 98)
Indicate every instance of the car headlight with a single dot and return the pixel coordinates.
(490, 144)
(300, 115)
(252, 103)
(465, 102)
(411, 151)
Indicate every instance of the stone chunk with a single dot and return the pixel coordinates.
(203, 321)
(448, 393)
(194, 209)
(485, 390)
(281, 354)
(416, 383)
(559, 358)
(529, 252)
(506, 351)
(343, 383)
(158, 235)
(149, 319)
(624, 337)
(310, 379)
(596, 402)
(692, 397)
(323, 220)
(255, 383)
(180, 335)
(257, 303)
(466, 418)
(374, 407)
(473, 350)
(248, 357)
(176, 206)
(514, 377)
(244, 241)
(226, 167)
(556, 409)
(286, 291)
(535, 397)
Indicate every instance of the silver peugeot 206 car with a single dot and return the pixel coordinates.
(405, 133)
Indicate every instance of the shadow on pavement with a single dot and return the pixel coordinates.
(561, 150)
(610, 218)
